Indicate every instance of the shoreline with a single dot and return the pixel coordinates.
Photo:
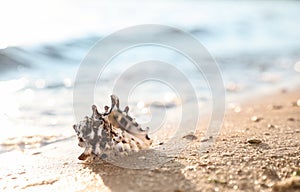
(258, 149)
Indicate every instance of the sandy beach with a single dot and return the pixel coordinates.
(170, 62)
(257, 149)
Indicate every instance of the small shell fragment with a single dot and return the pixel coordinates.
(190, 137)
(254, 141)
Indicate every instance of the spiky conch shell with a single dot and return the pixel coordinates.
(111, 133)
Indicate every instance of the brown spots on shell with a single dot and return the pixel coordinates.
(80, 139)
(139, 145)
(106, 108)
(135, 124)
(147, 137)
(114, 134)
(83, 156)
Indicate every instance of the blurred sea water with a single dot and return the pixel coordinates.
(255, 43)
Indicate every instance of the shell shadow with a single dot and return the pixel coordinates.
(165, 177)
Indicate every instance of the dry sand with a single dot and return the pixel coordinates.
(258, 149)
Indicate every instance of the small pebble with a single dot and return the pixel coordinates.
(204, 140)
(227, 154)
(254, 141)
(190, 168)
(264, 185)
(220, 181)
(276, 107)
(190, 137)
(291, 119)
(271, 126)
(36, 153)
(205, 151)
(296, 103)
(142, 157)
(264, 177)
(296, 173)
(256, 119)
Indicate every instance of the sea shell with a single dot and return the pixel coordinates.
(113, 132)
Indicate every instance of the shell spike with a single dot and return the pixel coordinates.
(115, 101)
(126, 110)
(96, 114)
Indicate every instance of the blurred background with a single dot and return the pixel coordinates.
(42, 43)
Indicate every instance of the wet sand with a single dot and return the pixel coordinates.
(258, 149)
